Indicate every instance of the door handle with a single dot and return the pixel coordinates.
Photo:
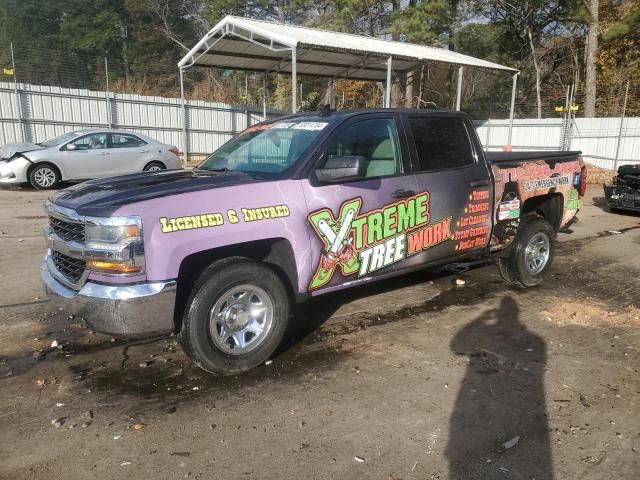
(480, 183)
(143, 151)
(402, 193)
(103, 153)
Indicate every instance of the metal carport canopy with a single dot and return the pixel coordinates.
(244, 44)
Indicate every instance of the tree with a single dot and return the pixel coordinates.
(526, 27)
(592, 59)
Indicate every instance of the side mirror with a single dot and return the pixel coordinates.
(337, 169)
(70, 146)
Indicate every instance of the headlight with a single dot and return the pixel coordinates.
(114, 245)
(111, 234)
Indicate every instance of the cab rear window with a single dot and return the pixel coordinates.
(441, 143)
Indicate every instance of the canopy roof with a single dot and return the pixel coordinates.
(242, 44)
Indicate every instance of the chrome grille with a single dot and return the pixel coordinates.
(71, 268)
(67, 230)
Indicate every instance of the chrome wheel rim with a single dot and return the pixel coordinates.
(154, 168)
(537, 252)
(44, 177)
(241, 319)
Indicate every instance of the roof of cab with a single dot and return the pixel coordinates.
(341, 114)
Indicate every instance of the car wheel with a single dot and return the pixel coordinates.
(235, 318)
(44, 176)
(154, 167)
(530, 255)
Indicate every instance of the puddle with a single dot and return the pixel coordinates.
(610, 233)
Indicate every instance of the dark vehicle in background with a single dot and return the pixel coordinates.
(624, 193)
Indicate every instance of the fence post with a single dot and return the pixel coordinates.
(488, 132)
(512, 106)
(563, 133)
(109, 120)
(624, 111)
(185, 133)
(21, 125)
(264, 96)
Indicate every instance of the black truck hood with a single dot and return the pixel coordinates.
(102, 197)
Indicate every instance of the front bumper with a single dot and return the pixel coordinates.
(14, 171)
(624, 200)
(125, 311)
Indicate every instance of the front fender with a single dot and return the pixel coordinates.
(166, 247)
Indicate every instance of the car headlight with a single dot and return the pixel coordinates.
(114, 245)
(111, 235)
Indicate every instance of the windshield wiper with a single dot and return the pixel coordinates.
(221, 169)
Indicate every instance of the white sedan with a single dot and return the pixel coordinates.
(82, 155)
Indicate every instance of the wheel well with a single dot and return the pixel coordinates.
(550, 207)
(39, 164)
(276, 252)
(154, 161)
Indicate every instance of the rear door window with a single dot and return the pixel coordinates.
(441, 143)
(122, 140)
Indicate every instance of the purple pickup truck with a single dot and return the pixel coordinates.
(294, 208)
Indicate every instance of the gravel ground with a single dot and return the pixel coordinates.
(414, 378)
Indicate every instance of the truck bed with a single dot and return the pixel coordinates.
(499, 157)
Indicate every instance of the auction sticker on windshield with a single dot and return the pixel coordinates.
(314, 126)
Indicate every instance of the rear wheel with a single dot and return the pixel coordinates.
(44, 176)
(154, 167)
(530, 255)
(235, 318)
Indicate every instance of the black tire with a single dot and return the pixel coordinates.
(519, 269)
(44, 176)
(213, 287)
(154, 167)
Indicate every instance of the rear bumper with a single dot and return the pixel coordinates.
(125, 311)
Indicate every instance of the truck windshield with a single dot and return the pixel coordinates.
(266, 148)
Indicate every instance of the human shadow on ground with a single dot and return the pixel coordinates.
(498, 428)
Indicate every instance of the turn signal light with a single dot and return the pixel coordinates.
(112, 267)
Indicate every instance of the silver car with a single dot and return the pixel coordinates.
(82, 155)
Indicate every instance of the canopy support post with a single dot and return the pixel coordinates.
(511, 108)
(185, 140)
(264, 95)
(387, 90)
(459, 89)
(294, 82)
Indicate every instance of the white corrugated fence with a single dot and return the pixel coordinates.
(37, 113)
(604, 142)
(32, 113)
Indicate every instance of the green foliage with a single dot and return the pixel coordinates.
(65, 42)
(425, 22)
(91, 28)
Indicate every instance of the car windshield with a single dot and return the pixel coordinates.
(59, 140)
(266, 148)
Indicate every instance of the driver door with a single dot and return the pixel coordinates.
(86, 157)
(356, 233)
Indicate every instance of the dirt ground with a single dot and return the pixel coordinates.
(414, 378)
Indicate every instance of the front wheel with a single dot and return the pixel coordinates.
(530, 255)
(44, 177)
(235, 318)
